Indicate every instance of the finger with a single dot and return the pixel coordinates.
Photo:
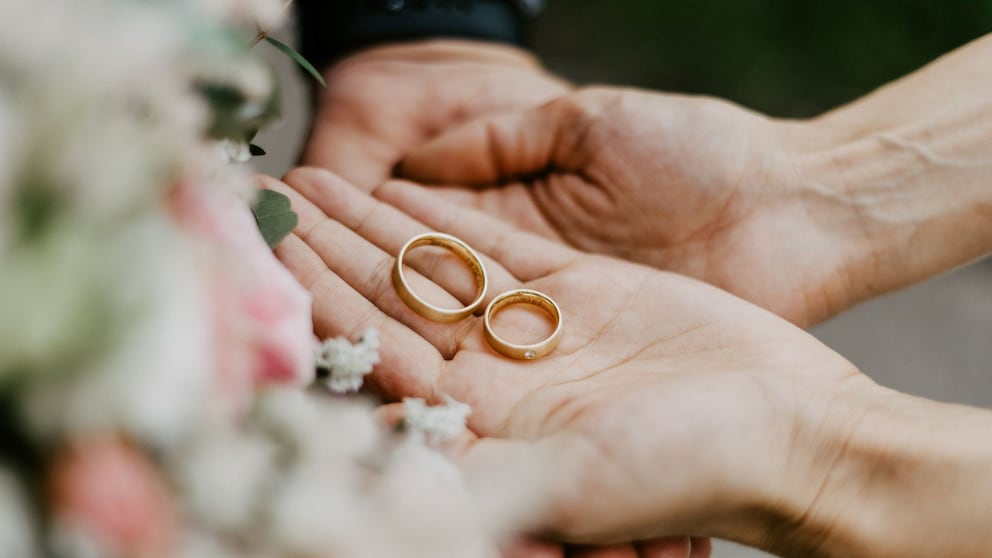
(526, 256)
(612, 551)
(361, 130)
(514, 204)
(391, 417)
(312, 217)
(530, 481)
(702, 547)
(340, 141)
(526, 547)
(309, 214)
(352, 312)
(489, 150)
(669, 547)
(389, 229)
(408, 365)
(367, 269)
(543, 474)
(449, 339)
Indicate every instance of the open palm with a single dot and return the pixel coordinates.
(658, 383)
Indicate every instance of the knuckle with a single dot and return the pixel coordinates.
(585, 108)
(381, 281)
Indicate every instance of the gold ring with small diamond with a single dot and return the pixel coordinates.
(518, 351)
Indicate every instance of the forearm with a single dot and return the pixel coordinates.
(890, 475)
(911, 166)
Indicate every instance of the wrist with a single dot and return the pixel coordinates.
(876, 473)
(907, 173)
(909, 202)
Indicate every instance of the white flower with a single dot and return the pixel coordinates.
(348, 363)
(231, 151)
(421, 507)
(266, 14)
(16, 529)
(224, 478)
(93, 161)
(196, 543)
(287, 410)
(435, 424)
(316, 507)
(319, 428)
(141, 383)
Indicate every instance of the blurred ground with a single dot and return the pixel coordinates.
(788, 59)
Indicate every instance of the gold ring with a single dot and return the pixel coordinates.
(513, 350)
(460, 249)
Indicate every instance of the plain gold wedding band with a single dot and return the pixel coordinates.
(460, 249)
(513, 350)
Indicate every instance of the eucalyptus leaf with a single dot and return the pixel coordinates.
(275, 216)
(298, 58)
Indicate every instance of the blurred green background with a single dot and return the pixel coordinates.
(784, 57)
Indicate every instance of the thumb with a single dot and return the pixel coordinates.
(488, 150)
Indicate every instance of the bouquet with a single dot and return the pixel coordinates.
(157, 363)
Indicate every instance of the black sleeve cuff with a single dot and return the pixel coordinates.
(330, 29)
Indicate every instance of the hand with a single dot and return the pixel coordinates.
(293, 248)
(391, 415)
(693, 185)
(649, 412)
(382, 102)
(671, 547)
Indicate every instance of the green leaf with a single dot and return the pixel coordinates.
(298, 58)
(37, 206)
(275, 216)
(255, 150)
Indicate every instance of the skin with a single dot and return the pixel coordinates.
(805, 218)
(614, 369)
(392, 415)
(341, 302)
(872, 197)
(382, 102)
(651, 364)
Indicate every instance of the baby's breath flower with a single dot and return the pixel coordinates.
(231, 151)
(435, 424)
(224, 478)
(266, 14)
(347, 363)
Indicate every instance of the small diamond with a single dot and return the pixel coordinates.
(530, 354)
